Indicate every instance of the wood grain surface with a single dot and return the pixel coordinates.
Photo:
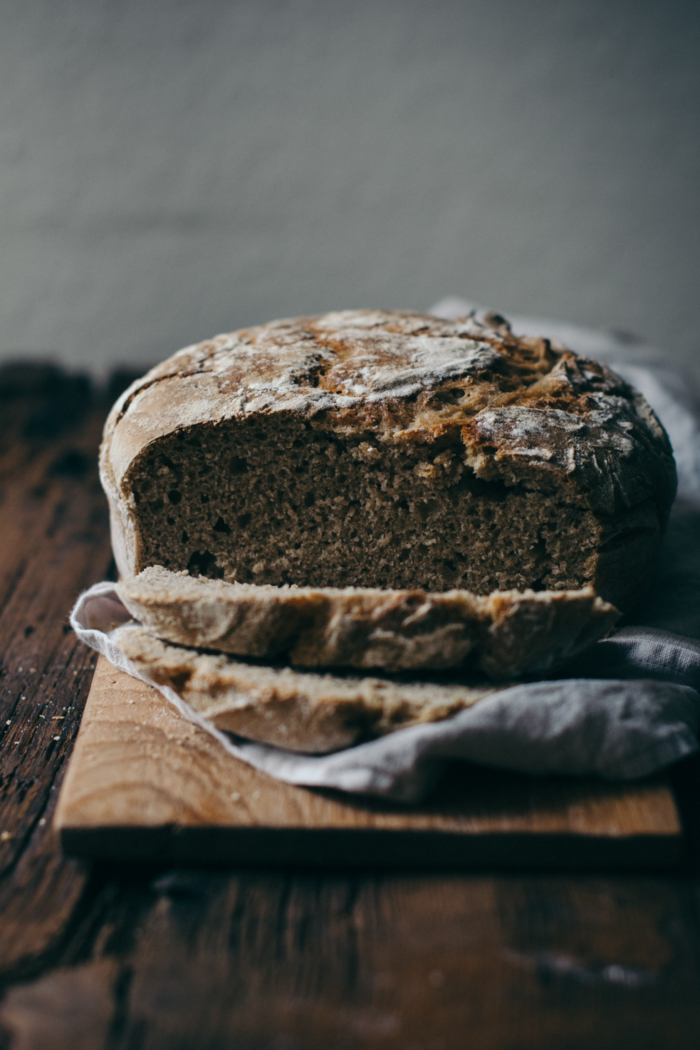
(155, 956)
(145, 784)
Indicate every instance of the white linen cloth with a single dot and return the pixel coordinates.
(627, 707)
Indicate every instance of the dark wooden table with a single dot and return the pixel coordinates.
(131, 957)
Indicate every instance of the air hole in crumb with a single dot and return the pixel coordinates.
(238, 465)
(184, 538)
(203, 563)
(174, 496)
(221, 526)
(244, 520)
(309, 499)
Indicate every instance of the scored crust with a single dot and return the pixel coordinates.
(392, 450)
(297, 711)
(503, 635)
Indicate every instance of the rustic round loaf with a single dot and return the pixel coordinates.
(393, 450)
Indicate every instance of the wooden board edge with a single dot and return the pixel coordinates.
(370, 848)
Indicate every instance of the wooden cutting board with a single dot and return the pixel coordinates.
(145, 784)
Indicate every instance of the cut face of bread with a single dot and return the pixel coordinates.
(286, 708)
(388, 450)
(503, 635)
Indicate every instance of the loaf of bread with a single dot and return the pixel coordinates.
(504, 635)
(389, 450)
(284, 707)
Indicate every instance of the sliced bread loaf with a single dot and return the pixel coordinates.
(389, 450)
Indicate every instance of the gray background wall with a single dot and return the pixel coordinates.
(170, 169)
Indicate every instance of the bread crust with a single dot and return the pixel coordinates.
(521, 411)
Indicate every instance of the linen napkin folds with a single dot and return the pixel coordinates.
(627, 707)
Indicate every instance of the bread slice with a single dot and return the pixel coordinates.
(298, 711)
(389, 450)
(504, 635)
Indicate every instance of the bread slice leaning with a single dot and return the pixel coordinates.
(298, 711)
(503, 635)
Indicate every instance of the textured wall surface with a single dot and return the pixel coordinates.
(174, 168)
